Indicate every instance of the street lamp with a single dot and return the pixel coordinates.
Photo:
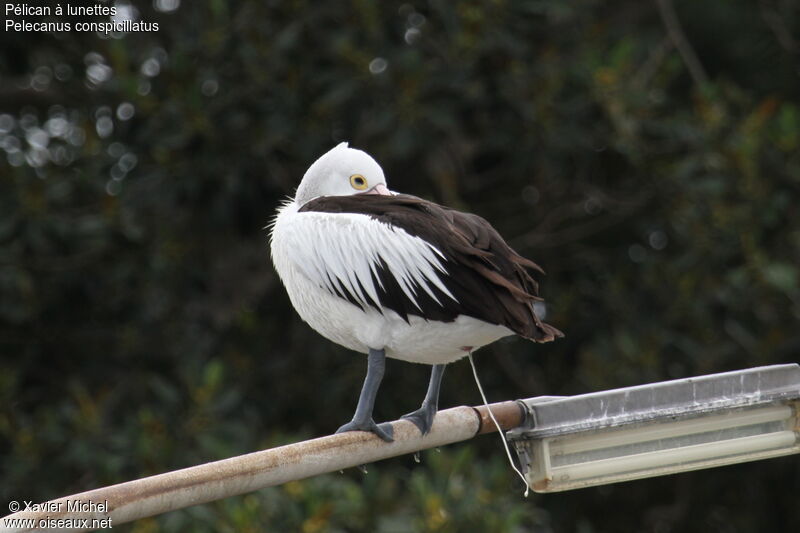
(659, 428)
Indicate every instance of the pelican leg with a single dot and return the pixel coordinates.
(362, 420)
(423, 417)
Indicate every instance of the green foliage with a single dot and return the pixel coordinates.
(142, 328)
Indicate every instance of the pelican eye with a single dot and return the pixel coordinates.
(358, 182)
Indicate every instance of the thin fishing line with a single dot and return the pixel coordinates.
(500, 431)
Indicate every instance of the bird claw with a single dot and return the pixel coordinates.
(422, 418)
(384, 431)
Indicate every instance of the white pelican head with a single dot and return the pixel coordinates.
(340, 172)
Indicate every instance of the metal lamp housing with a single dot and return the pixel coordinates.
(659, 428)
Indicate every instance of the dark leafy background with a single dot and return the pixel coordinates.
(647, 154)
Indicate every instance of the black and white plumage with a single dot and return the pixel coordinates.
(393, 275)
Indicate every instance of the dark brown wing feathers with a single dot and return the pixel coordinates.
(488, 278)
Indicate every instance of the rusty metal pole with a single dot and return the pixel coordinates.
(162, 493)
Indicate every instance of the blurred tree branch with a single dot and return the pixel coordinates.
(673, 25)
(653, 62)
(776, 22)
(546, 234)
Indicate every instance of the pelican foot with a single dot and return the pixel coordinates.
(423, 417)
(384, 431)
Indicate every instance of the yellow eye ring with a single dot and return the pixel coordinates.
(358, 182)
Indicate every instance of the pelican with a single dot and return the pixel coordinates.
(393, 275)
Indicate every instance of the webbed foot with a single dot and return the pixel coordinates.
(384, 431)
(422, 417)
